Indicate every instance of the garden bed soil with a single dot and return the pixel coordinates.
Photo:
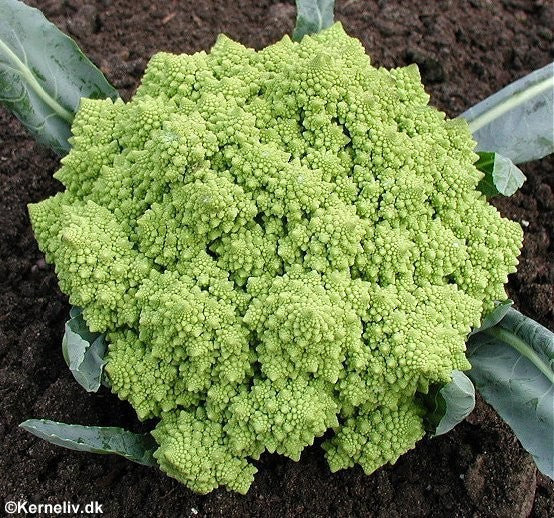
(466, 50)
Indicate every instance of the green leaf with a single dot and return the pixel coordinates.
(312, 16)
(95, 439)
(74, 311)
(43, 74)
(513, 368)
(507, 177)
(495, 316)
(485, 164)
(448, 405)
(83, 351)
(517, 121)
(502, 176)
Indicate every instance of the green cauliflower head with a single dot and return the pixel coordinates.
(277, 243)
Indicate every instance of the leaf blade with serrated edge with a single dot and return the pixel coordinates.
(513, 369)
(44, 74)
(95, 439)
(517, 120)
(312, 16)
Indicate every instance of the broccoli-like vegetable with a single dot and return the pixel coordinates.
(277, 243)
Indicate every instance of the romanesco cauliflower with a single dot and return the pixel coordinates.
(278, 243)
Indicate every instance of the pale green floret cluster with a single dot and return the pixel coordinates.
(278, 243)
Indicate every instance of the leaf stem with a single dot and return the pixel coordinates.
(34, 84)
(518, 97)
(522, 348)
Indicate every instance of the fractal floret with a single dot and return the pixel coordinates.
(279, 245)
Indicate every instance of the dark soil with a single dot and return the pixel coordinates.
(466, 51)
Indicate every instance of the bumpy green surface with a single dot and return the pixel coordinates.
(278, 243)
